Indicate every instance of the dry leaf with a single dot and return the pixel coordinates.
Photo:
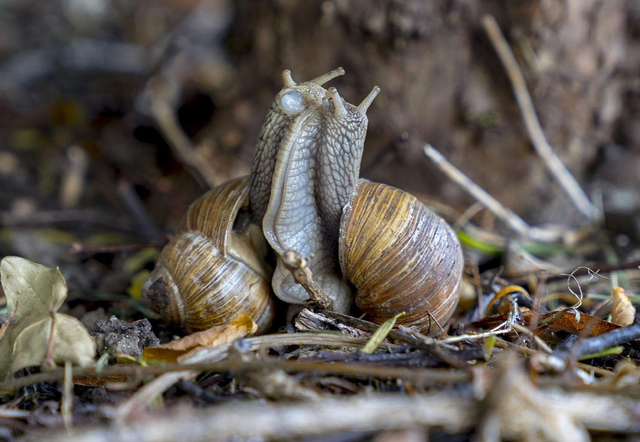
(623, 312)
(240, 327)
(585, 325)
(34, 288)
(35, 292)
(71, 343)
(568, 322)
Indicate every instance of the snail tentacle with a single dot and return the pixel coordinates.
(324, 78)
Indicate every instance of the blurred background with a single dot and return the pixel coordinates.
(116, 114)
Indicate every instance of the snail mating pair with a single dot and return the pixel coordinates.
(304, 194)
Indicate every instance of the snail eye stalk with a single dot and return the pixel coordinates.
(292, 102)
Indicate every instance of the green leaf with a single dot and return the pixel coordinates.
(138, 260)
(71, 343)
(489, 343)
(608, 352)
(137, 282)
(380, 334)
(480, 245)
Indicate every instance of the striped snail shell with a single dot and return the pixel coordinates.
(400, 256)
(214, 269)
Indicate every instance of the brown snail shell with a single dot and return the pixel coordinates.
(213, 270)
(400, 256)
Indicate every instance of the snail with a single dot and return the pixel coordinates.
(210, 271)
(304, 194)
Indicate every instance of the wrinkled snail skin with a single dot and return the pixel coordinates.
(304, 170)
(401, 257)
(210, 273)
(289, 103)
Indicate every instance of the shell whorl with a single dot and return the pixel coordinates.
(210, 273)
(400, 256)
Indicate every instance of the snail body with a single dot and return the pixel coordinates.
(304, 194)
(305, 167)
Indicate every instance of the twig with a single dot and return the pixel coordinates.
(602, 342)
(301, 272)
(73, 180)
(255, 421)
(307, 320)
(67, 397)
(179, 142)
(501, 329)
(501, 343)
(78, 248)
(8, 219)
(424, 343)
(376, 412)
(152, 390)
(468, 337)
(471, 211)
(601, 269)
(542, 146)
(539, 342)
(421, 376)
(209, 360)
(272, 384)
(426, 339)
(475, 273)
(504, 214)
(135, 207)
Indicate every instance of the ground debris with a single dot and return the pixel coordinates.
(125, 338)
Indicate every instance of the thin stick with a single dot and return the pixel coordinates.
(209, 360)
(255, 420)
(475, 273)
(602, 342)
(504, 214)
(501, 343)
(539, 342)
(580, 272)
(138, 212)
(424, 343)
(150, 392)
(79, 248)
(540, 143)
(67, 397)
(454, 413)
(419, 376)
(73, 181)
(301, 272)
(180, 143)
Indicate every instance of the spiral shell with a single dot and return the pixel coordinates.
(400, 256)
(213, 270)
